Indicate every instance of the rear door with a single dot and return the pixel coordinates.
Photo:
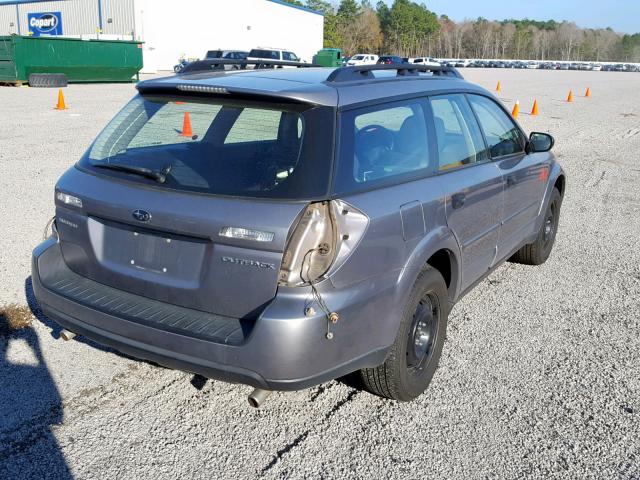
(212, 236)
(472, 185)
(525, 177)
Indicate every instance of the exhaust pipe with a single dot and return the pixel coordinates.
(258, 397)
(66, 335)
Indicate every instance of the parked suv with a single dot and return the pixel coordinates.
(225, 55)
(302, 225)
(390, 60)
(228, 54)
(273, 54)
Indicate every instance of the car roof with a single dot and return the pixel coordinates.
(311, 85)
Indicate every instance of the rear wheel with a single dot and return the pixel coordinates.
(414, 356)
(536, 253)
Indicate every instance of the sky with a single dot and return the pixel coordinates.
(621, 15)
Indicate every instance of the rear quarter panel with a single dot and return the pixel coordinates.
(407, 225)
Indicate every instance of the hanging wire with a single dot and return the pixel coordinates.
(317, 296)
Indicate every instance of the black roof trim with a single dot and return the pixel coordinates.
(364, 72)
(210, 64)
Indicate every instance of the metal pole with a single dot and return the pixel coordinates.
(100, 15)
(18, 19)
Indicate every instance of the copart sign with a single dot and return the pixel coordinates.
(47, 23)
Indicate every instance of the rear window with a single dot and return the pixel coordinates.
(227, 148)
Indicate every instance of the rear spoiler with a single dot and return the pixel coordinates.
(181, 86)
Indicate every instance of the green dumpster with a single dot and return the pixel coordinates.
(80, 60)
(329, 57)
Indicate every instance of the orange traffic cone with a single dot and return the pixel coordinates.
(516, 109)
(570, 96)
(534, 110)
(587, 93)
(186, 126)
(60, 105)
(498, 87)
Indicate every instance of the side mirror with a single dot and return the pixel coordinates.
(540, 142)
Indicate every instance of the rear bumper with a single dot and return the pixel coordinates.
(284, 349)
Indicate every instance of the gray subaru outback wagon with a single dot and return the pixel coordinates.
(281, 228)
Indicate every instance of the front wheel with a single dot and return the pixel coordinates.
(536, 253)
(413, 357)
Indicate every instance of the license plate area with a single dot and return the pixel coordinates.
(151, 252)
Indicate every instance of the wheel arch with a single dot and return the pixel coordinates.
(441, 251)
(560, 183)
(445, 262)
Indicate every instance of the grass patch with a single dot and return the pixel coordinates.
(14, 317)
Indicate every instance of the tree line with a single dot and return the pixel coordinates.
(410, 29)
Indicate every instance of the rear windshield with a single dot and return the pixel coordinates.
(225, 148)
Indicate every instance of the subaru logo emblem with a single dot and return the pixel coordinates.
(141, 215)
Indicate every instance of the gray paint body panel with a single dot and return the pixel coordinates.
(284, 348)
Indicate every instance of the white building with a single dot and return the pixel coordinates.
(171, 29)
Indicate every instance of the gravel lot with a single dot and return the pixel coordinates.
(540, 375)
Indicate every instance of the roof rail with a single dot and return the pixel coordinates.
(209, 64)
(364, 72)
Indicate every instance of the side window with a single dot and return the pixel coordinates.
(289, 56)
(254, 125)
(503, 137)
(459, 138)
(384, 142)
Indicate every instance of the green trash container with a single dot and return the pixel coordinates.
(80, 60)
(329, 57)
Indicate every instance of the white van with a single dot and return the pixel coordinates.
(363, 59)
(430, 62)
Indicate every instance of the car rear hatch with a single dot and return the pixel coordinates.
(210, 236)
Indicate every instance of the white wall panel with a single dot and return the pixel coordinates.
(7, 17)
(202, 25)
(121, 14)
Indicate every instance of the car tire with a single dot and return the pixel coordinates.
(47, 80)
(536, 253)
(413, 357)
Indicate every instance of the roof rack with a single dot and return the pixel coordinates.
(364, 72)
(216, 64)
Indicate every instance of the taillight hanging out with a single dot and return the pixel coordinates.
(322, 240)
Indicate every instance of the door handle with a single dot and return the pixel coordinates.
(511, 181)
(458, 199)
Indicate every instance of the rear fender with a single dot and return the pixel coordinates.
(440, 238)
